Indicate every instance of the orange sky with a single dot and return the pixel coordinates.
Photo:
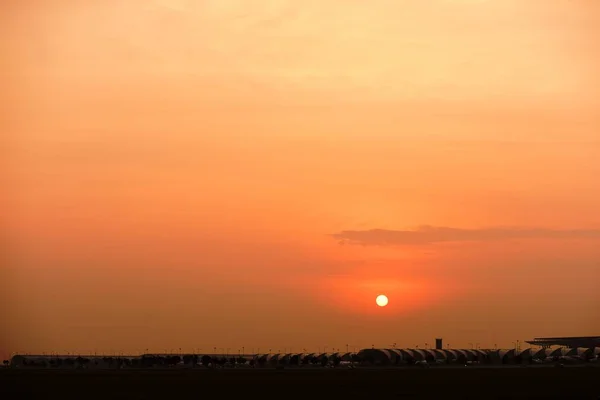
(228, 173)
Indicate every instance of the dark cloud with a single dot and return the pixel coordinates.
(432, 234)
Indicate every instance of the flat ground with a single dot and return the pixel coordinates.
(569, 383)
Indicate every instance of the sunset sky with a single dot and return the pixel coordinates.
(230, 173)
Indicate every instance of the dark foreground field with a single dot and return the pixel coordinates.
(413, 383)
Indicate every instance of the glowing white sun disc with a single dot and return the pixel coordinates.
(381, 300)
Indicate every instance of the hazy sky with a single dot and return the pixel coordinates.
(228, 173)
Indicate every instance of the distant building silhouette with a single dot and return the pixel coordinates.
(571, 342)
(572, 350)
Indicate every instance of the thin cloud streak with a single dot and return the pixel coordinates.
(426, 235)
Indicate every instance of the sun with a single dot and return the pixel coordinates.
(381, 300)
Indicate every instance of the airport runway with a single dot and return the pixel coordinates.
(481, 383)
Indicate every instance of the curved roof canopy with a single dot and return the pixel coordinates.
(376, 355)
(560, 352)
(507, 353)
(577, 352)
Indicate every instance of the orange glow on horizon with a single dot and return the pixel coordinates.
(354, 294)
